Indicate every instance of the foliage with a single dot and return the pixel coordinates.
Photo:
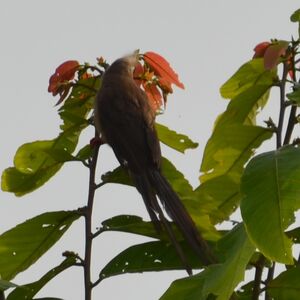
(264, 186)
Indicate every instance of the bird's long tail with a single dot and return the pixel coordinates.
(155, 183)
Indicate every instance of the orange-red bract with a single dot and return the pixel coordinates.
(273, 53)
(65, 72)
(260, 49)
(153, 94)
(162, 68)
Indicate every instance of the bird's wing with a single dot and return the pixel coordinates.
(128, 125)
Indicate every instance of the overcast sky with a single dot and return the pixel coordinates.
(205, 41)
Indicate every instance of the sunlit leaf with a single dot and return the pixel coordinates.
(85, 152)
(162, 68)
(250, 74)
(28, 291)
(171, 138)
(219, 197)
(244, 107)
(24, 244)
(147, 257)
(220, 279)
(270, 196)
(229, 148)
(286, 286)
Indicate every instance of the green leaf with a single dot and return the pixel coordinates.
(221, 279)
(271, 195)
(136, 225)
(295, 17)
(35, 163)
(24, 244)
(229, 148)
(147, 257)
(294, 234)
(244, 107)
(130, 224)
(171, 138)
(294, 96)
(28, 291)
(118, 175)
(4, 285)
(219, 197)
(85, 152)
(286, 286)
(251, 73)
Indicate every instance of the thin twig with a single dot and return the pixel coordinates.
(269, 278)
(282, 105)
(259, 266)
(292, 117)
(88, 225)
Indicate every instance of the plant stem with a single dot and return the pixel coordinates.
(291, 125)
(282, 105)
(269, 278)
(257, 279)
(88, 225)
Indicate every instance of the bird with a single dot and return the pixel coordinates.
(125, 121)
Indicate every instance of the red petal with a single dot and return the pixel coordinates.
(162, 68)
(273, 53)
(260, 49)
(154, 96)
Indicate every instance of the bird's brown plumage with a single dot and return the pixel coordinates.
(126, 122)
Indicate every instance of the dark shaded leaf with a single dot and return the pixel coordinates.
(24, 244)
(286, 286)
(151, 256)
(28, 291)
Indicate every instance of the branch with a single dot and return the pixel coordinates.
(269, 278)
(88, 225)
(259, 266)
(282, 105)
(292, 117)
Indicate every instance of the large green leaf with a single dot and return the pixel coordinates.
(286, 286)
(221, 279)
(24, 244)
(271, 195)
(35, 163)
(229, 148)
(150, 256)
(171, 138)
(250, 74)
(243, 108)
(136, 225)
(219, 196)
(28, 291)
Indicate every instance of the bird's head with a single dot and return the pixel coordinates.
(124, 65)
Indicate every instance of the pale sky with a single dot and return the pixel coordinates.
(205, 41)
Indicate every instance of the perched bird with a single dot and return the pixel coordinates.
(124, 119)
